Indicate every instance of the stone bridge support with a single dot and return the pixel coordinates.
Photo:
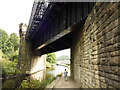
(29, 61)
(95, 52)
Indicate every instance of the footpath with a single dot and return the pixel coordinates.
(61, 84)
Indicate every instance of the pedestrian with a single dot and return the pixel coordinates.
(65, 75)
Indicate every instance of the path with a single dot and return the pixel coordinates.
(63, 85)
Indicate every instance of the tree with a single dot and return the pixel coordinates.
(51, 58)
(14, 39)
(13, 44)
(9, 44)
(3, 41)
(8, 51)
(63, 57)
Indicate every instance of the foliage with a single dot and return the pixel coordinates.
(63, 57)
(9, 45)
(13, 45)
(2, 55)
(59, 75)
(15, 41)
(8, 67)
(31, 84)
(3, 40)
(48, 65)
(51, 58)
(9, 53)
(50, 77)
(13, 56)
(36, 83)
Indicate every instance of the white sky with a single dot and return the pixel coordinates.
(14, 12)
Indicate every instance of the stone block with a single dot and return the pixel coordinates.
(98, 49)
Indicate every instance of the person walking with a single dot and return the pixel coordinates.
(65, 75)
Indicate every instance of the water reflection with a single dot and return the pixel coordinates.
(59, 69)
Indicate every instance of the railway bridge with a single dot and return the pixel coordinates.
(89, 29)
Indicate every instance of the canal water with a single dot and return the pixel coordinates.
(15, 82)
(59, 70)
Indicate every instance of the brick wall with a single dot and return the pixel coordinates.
(95, 52)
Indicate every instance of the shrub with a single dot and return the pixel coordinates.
(36, 83)
(59, 75)
(8, 68)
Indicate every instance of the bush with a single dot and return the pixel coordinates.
(25, 84)
(30, 84)
(59, 75)
(48, 65)
(8, 68)
(36, 83)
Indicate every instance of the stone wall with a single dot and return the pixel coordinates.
(30, 61)
(38, 66)
(24, 59)
(96, 48)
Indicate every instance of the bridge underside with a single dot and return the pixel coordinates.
(60, 44)
(61, 41)
(52, 30)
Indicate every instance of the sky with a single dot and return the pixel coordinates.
(14, 12)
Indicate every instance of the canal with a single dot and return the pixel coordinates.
(15, 82)
(59, 69)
